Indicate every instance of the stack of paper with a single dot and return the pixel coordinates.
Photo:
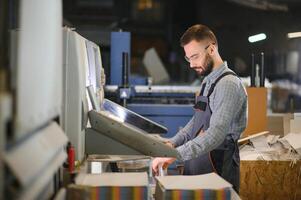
(260, 143)
(122, 186)
(207, 186)
(272, 147)
(294, 139)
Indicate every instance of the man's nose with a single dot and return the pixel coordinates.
(192, 64)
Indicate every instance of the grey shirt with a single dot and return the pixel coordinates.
(228, 103)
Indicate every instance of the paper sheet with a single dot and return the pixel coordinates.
(294, 139)
(260, 143)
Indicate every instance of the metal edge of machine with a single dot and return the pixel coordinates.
(133, 118)
(107, 124)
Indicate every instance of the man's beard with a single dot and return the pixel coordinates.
(208, 67)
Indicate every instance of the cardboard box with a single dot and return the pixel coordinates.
(275, 124)
(257, 111)
(284, 123)
(280, 99)
(278, 123)
(207, 186)
(294, 123)
(109, 186)
(270, 180)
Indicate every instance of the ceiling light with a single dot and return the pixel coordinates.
(258, 37)
(294, 35)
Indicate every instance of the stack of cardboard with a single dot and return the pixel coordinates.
(207, 186)
(122, 186)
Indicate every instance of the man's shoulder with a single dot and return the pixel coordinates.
(229, 79)
(230, 82)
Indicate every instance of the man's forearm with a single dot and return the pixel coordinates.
(182, 136)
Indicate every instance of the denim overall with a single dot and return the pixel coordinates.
(224, 160)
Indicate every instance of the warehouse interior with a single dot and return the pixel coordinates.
(94, 92)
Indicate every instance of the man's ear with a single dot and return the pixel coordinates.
(212, 49)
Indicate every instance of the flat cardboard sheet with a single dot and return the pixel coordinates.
(205, 181)
(260, 143)
(113, 179)
(294, 139)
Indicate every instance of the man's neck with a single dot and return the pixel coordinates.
(217, 63)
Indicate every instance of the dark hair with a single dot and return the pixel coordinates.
(197, 32)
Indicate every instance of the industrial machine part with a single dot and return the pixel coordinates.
(97, 164)
(32, 164)
(120, 43)
(257, 77)
(252, 77)
(262, 75)
(132, 118)
(82, 83)
(32, 142)
(75, 71)
(168, 105)
(115, 128)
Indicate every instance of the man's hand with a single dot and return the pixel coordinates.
(201, 133)
(161, 161)
(168, 143)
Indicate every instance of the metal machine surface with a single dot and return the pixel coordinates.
(129, 135)
(173, 116)
(171, 106)
(118, 136)
(132, 118)
(32, 141)
(101, 163)
(38, 67)
(34, 167)
(74, 116)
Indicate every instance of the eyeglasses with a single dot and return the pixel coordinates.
(197, 55)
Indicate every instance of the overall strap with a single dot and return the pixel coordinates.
(217, 80)
(202, 90)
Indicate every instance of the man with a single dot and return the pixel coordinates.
(208, 143)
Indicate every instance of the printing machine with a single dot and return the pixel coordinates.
(111, 128)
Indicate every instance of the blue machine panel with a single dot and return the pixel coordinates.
(120, 42)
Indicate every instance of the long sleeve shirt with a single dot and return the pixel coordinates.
(228, 103)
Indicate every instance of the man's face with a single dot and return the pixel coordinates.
(198, 57)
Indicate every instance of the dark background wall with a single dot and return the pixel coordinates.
(160, 23)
